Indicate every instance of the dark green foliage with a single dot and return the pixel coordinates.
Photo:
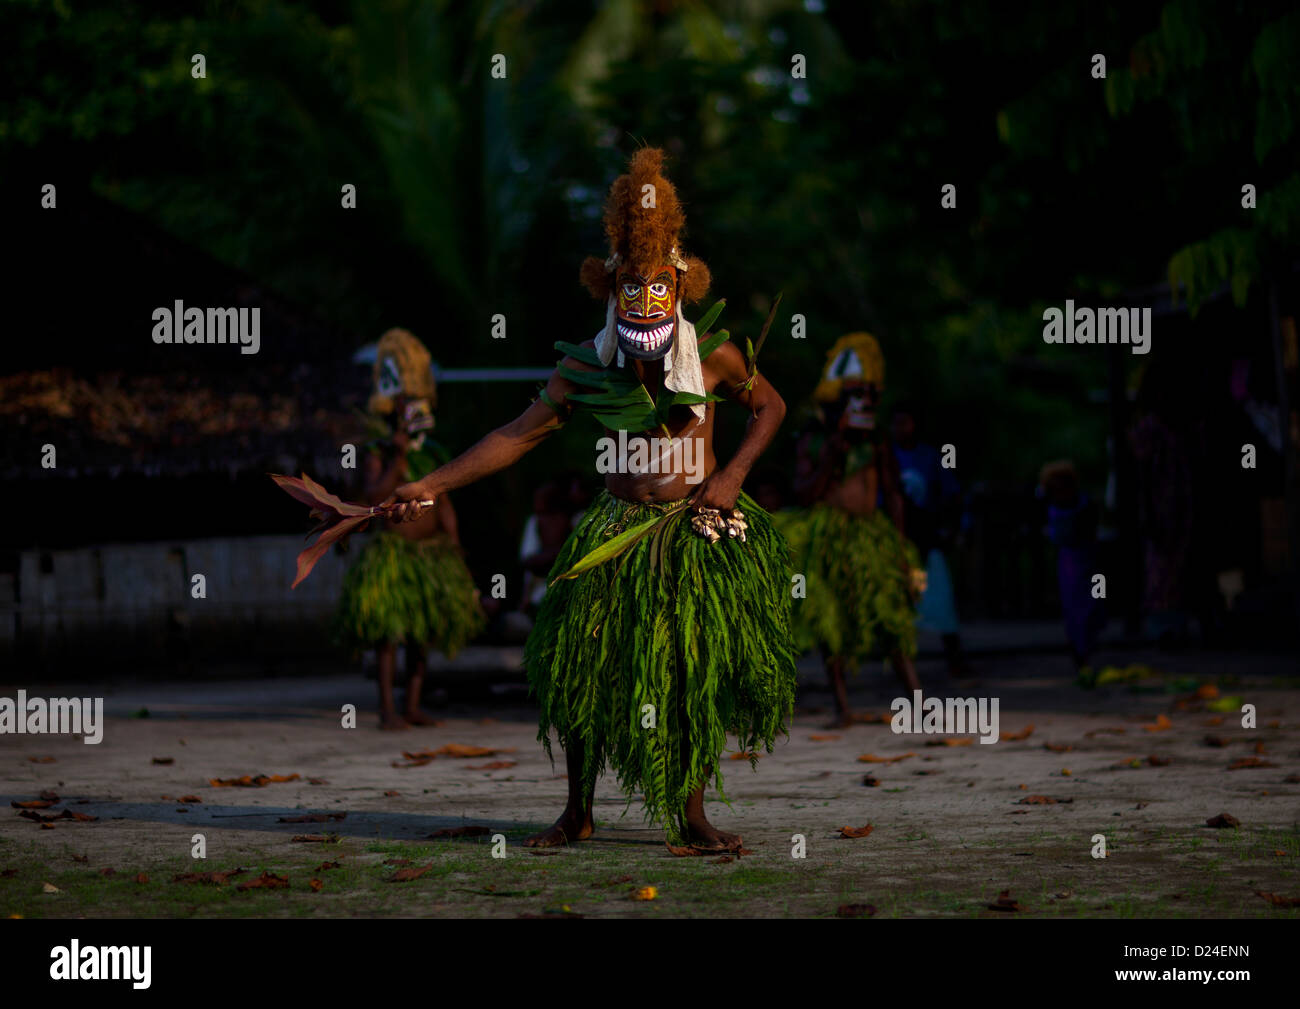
(858, 600)
(399, 590)
(700, 631)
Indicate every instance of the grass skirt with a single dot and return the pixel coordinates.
(698, 630)
(401, 590)
(859, 602)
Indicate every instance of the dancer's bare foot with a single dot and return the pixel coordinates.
(701, 834)
(568, 829)
(706, 837)
(420, 717)
(843, 720)
(391, 722)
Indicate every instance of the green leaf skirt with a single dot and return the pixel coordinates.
(858, 602)
(400, 590)
(698, 632)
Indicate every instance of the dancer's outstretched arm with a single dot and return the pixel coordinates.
(496, 451)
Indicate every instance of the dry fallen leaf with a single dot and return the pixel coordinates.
(871, 781)
(615, 881)
(189, 799)
(141, 878)
(946, 741)
(50, 888)
(266, 881)
(215, 878)
(1277, 900)
(406, 875)
(43, 760)
(871, 758)
(1215, 741)
(458, 750)
(315, 884)
(315, 838)
(47, 819)
(644, 893)
(1005, 903)
(326, 866)
(34, 804)
(251, 780)
(1223, 820)
(1245, 762)
(392, 793)
(1156, 761)
(1159, 725)
(492, 765)
(1010, 737)
(1058, 747)
(1096, 732)
(744, 755)
(1066, 772)
(855, 910)
(856, 831)
(818, 737)
(1041, 800)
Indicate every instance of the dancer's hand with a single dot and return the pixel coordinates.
(717, 491)
(410, 502)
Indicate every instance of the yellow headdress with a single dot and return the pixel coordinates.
(402, 367)
(856, 356)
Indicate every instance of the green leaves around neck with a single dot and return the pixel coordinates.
(621, 401)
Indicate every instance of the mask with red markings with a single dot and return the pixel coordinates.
(646, 312)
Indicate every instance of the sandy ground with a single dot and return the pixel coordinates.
(951, 825)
